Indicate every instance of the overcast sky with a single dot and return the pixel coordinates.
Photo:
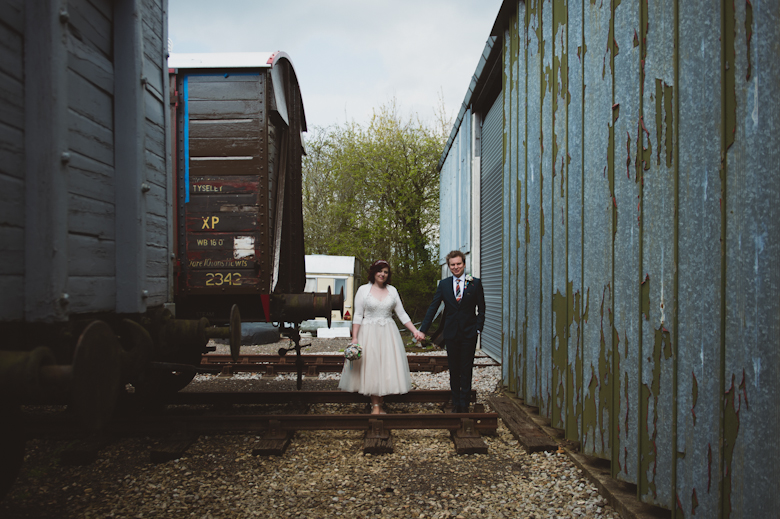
(351, 56)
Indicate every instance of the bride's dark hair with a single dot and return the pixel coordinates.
(376, 267)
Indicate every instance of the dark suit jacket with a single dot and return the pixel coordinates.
(461, 319)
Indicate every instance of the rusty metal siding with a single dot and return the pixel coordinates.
(699, 281)
(558, 92)
(598, 231)
(509, 191)
(752, 280)
(546, 216)
(658, 257)
(533, 197)
(574, 232)
(627, 233)
(644, 240)
(517, 216)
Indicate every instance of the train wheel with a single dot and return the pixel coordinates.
(96, 375)
(171, 381)
(11, 447)
(162, 378)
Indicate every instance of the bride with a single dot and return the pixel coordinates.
(382, 369)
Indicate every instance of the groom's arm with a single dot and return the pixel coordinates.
(437, 297)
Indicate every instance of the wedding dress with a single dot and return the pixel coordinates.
(382, 369)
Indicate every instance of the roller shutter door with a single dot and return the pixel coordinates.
(491, 227)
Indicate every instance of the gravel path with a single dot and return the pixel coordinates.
(323, 474)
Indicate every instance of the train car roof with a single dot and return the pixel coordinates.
(226, 60)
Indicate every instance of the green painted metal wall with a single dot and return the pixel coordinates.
(642, 239)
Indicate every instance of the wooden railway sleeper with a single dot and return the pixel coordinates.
(275, 431)
(376, 430)
(467, 429)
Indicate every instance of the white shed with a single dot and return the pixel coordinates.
(336, 272)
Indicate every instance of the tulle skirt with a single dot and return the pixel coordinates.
(382, 369)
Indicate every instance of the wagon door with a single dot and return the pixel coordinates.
(222, 205)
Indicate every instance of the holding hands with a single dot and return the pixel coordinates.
(418, 335)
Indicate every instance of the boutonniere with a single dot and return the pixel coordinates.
(469, 279)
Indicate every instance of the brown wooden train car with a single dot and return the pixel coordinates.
(238, 119)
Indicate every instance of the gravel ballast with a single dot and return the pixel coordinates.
(322, 474)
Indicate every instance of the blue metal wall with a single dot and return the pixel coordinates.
(455, 192)
(641, 213)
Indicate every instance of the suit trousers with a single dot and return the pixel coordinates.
(460, 357)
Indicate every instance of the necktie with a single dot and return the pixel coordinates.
(457, 290)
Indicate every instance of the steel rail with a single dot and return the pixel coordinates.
(483, 422)
(62, 425)
(306, 397)
(316, 363)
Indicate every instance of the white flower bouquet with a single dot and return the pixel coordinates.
(353, 352)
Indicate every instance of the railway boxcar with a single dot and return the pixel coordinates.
(84, 204)
(237, 121)
(85, 184)
(88, 232)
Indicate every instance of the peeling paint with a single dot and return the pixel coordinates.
(748, 34)
(527, 225)
(611, 166)
(563, 317)
(628, 407)
(645, 295)
(664, 120)
(648, 447)
(694, 396)
(694, 501)
(729, 72)
(574, 402)
(680, 511)
(732, 406)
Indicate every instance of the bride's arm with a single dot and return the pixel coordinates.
(404, 317)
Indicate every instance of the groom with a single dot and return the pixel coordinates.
(464, 309)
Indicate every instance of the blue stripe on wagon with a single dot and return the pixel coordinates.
(186, 142)
(187, 125)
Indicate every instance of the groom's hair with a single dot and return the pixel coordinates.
(456, 254)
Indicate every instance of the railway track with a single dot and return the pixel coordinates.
(315, 364)
(188, 415)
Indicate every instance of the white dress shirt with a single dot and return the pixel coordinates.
(462, 284)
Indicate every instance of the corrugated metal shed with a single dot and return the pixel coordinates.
(642, 236)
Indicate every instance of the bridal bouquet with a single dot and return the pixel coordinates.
(353, 352)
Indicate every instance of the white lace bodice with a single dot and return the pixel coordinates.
(376, 311)
(370, 310)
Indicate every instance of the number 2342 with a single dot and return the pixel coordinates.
(218, 279)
